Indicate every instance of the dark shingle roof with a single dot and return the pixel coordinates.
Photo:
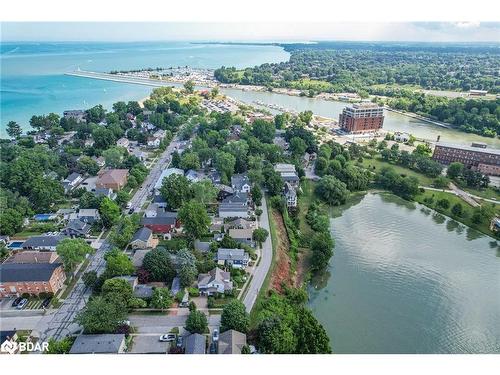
(43, 241)
(166, 218)
(142, 234)
(195, 344)
(19, 272)
(107, 343)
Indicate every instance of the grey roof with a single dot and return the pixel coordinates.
(195, 344)
(73, 177)
(138, 257)
(238, 180)
(238, 197)
(215, 275)
(143, 291)
(103, 191)
(143, 234)
(158, 198)
(78, 225)
(88, 212)
(289, 190)
(106, 343)
(484, 150)
(231, 254)
(231, 342)
(233, 207)
(43, 241)
(202, 246)
(241, 223)
(164, 218)
(289, 176)
(224, 188)
(18, 272)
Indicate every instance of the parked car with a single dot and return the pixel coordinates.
(213, 348)
(22, 304)
(169, 337)
(129, 204)
(131, 211)
(16, 301)
(180, 341)
(215, 335)
(46, 302)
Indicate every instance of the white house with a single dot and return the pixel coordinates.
(154, 142)
(216, 281)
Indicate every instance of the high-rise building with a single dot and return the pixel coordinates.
(362, 118)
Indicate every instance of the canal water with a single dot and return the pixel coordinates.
(392, 122)
(405, 279)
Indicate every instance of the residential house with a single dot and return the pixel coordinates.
(143, 291)
(32, 278)
(32, 257)
(104, 192)
(193, 175)
(290, 195)
(241, 183)
(143, 239)
(231, 342)
(215, 177)
(233, 210)
(138, 257)
(243, 236)
(153, 142)
(195, 344)
(76, 228)
(165, 173)
(236, 258)
(88, 215)
(224, 191)
(160, 133)
(159, 201)
(163, 223)
(65, 213)
(202, 246)
(132, 280)
(43, 243)
(122, 142)
(72, 181)
(101, 162)
(216, 281)
(288, 173)
(99, 344)
(217, 224)
(113, 179)
(241, 224)
(238, 197)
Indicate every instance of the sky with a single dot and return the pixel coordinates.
(245, 31)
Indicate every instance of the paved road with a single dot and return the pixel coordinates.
(265, 263)
(19, 322)
(159, 324)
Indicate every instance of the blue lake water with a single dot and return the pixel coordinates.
(33, 80)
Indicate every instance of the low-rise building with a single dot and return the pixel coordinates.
(288, 173)
(88, 215)
(72, 181)
(43, 243)
(216, 281)
(123, 142)
(153, 142)
(76, 228)
(32, 278)
(236, 258)
(32, 257)
(143, 239)
(165, 173)
(138, 257)
(164, 223)
(241, 183)
(76, 114)
(99, 344)
(290, 195)
(231, 342)
(241, 224)
(233, 210)
(243, 236)
(114, 179)
(195, 344)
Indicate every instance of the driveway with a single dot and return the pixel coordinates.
(161, 324)
(149, 344)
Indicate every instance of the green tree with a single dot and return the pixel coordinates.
(194, 219)
(118, 264)
(322, 250)
(312, 337)
(161, 298)
(117, 291)
(204, 192)
(196, 322)
(455, 170)
(87, 165)
(260, 235)
(190, 160)
(11, 221)
(263, 130)
(256, 194)
(234, 316)
(101, 316)
(90, 279)
(332, 190)
(457, 209)
(103, 138)
(306, 117)
(224, 163)
(297, 146)
(113, 157)
(159, 264)
(73, 252)
(443, 203)
(186, 267)
(109, 211)
(14, 129)
(175, 190)
(62, 346)
(275, 336)
(189, 86)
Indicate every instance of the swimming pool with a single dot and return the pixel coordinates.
(15, 244)
(43, 217)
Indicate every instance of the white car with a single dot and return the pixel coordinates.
(169, 337)
(215, 335)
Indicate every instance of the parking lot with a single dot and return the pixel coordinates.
(149, 344)
(33, 304)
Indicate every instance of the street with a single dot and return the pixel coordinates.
(161, 324)
(265, 263)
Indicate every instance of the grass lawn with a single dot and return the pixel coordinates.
(265, 284)
(305, 200)
(453, 199)
(488, 193)
(378, 163)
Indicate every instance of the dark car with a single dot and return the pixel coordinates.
(46, 303)
(213, 348)
(16, 301)
(131, 211)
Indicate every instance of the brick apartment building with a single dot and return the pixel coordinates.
(362, 118)
(477, 156)
(32, 278)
